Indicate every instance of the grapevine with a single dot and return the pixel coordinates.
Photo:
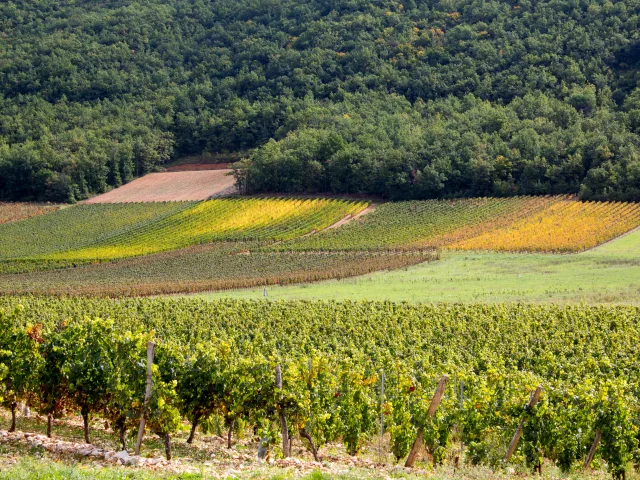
(220, 358)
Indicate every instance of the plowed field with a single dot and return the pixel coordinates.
(172, 186)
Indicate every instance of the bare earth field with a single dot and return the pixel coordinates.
(14, 211)
(171, 187)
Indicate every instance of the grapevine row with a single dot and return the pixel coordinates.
(520, 224)
(215, 221)
(218, 266)
(221, 359)
(78, 226)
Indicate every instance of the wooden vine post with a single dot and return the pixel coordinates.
(592, 450)
(435, 402)
(286, 442)
(461, 407)
(147, 394)
(516, 438)
(381, 414)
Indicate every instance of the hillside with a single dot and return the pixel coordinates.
(596, 277)
(408, 100)
(411, 249)
(319, 239)
(120, 230)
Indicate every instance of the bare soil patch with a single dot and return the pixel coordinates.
(172, 186)
(14, 211)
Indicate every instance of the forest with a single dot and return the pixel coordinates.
(411, 100)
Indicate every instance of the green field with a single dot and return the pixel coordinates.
(607, 274)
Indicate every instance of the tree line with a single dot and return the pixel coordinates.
(383, 145)
(92, 95)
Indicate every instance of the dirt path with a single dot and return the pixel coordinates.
(345, 220)
(372, 206)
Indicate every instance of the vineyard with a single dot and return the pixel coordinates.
(563, 227)
(77, 226)
(221, 220)
(521, 224)
(198, 269)
(238, 242)
(103, 232)
(407, 225)
(312, 373)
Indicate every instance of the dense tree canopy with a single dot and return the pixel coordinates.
(407, 100)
